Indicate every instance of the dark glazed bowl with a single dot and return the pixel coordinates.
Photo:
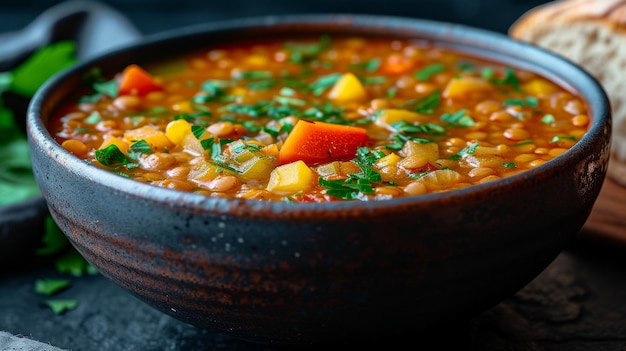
(295, 274)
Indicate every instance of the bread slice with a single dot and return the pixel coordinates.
(591, 33)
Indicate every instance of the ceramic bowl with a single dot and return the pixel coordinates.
(294, 274)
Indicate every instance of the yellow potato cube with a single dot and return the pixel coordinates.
(154, 137)
(291, 178)
(388, 160)
(348, 89)
(176, 130)
(182, 106)
(257, 168)
(539, 87)
(204, 171)
(257, 60)
(389, 116)
(121, 144)
(179, 133)
(460, 87)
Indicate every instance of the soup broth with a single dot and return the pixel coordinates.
(321, 119)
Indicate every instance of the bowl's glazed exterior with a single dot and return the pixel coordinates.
(288, 273)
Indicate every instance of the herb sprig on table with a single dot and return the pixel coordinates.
(16, 178)
(17, 182)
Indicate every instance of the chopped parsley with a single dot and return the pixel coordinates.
(359, 184)
(426, 104)
(429, 71)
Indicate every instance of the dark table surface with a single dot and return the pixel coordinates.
(577, 303)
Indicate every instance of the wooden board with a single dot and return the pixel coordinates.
(607, 221)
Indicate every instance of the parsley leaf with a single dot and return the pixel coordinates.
(428, 71)
(53, 241)
(426, 104)
(356, 184)
(111, 156)
(50, 286)
(74, 264)
(468, 150)
(40, 66)
(61, 306)
(17, 182)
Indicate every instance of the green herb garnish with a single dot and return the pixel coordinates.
(50, 286)
(17, 182)
(61, 306)
(428, 71)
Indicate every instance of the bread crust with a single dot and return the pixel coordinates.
(562, 12)
(591, 33)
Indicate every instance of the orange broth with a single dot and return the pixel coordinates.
(324, 119)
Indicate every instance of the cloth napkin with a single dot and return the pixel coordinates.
(9, 342)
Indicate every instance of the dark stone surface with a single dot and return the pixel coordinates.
(575, 304)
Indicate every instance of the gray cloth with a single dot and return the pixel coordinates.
(9, 342)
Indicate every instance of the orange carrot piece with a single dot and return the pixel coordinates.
(317, 142)
(135, 80)
(397, 64)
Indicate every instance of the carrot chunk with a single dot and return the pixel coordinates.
(316, 142)
(136, 80)
(397, 64)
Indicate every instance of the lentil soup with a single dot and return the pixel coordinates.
(320, 119)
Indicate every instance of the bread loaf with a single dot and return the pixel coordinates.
(591, 33)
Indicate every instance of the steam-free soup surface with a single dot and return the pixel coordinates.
(320, 119)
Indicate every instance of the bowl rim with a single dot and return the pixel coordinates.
(475, 40)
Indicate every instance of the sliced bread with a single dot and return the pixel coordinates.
(591, 33)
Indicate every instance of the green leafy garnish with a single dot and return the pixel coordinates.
(509, 165)
(468, 150)
(140, 147)
(548, 119)
(43, 64)
(61, 306)
(50, 286)
(426, 104)
(304, 52)
(17, 182)
(458, 119)
(529, 101)
(112, 156)
(558, 138)
(357, 184)
(53, 240)
(252, 75)
(322, 83)
(369, 65)
(509, 79)
(74, 264)
(428, 71)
